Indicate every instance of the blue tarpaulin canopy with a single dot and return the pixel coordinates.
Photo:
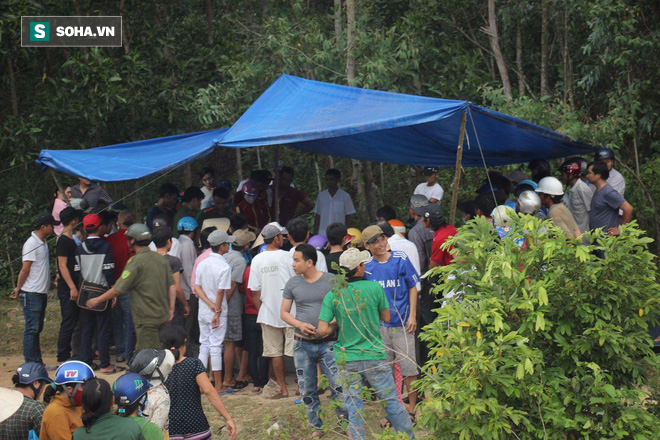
(390, 127)
(338, 121)
(133, 159)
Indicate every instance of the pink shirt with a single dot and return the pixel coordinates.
(58, 206)
(203, 256)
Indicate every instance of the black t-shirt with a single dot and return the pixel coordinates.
(333, 258)
(186, 412)
(66, 247)
(175, 263)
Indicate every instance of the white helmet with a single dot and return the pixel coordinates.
(529, 202)
(501, 216)
(551, 186)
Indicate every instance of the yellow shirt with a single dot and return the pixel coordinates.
(60, 419)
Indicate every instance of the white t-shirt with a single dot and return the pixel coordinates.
(174, 251)
(212, 274)
(333, 209)
(286, 265)
(207, 201)
(36, 250)
(431, 192)
(265, 277)
(398, 243)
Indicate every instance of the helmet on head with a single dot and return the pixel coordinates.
(398, 226)
(551, 186)
(603, 154)
(161, 220)
(73, 372)
(139, 232)
(262, 248)
(357, 241)
(529, 202)
(250, 188)
(318, 241)
(147, 362)
(186, 224)
(130, 388)
(571, 167)
(501, 216)
(30, 372)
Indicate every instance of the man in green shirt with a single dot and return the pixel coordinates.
(191, 203)
(148, 277)
(358, 310)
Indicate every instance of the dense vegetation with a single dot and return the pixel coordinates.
(588, 69)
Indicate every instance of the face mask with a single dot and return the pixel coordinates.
(250, 199)
(77, 395)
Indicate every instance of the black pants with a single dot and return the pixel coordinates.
(99, 321)
(192, 327)
(426, 315)
(253, 343)
(70, 314)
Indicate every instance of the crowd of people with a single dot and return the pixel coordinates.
(210, 294)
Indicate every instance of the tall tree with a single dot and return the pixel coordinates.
(491, 31)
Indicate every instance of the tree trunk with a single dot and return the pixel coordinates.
(545, 12)
(495, 46)
(12, 86)
(124, 37)
(258, 158)
(209, 21)
(187, 175)
(338, 19)
(569, 95)
(239, 164)
(519, 61)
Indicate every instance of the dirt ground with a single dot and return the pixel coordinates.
(252, 413)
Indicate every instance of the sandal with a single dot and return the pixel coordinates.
(121, 359)
(230, 390)
(115, 369)
(239, 385)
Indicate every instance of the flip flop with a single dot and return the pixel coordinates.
(230, 390)
(115, 369)
(240, 384)
(298, 401)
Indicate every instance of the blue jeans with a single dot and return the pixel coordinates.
(379, 376)
(305, 356)
(122, 326)
(34, 312)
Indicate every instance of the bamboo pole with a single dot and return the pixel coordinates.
(59, 186)
(276, 189)
(457, 174)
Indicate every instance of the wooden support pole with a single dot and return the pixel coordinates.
(457, 174)
(276, 190)
(59, 186)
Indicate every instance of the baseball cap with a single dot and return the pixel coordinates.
(371, 234)
(273, 229)
(91, 221)
(352, 257)
(68, 214)
(139, 231)
(430, 170)
(432, 211)
(43, 219)
(417, 203)
(219, 237)
(243, 237)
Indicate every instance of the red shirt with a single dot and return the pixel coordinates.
(121, 252)
(288, 204)
(256, 213)
(439, 255)
(250, 308)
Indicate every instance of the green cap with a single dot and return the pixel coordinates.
(139, 232)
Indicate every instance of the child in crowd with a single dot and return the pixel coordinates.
(130, 392)
(188, 377)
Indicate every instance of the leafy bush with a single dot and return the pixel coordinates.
(543, 340)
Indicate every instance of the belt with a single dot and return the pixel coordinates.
(330, 338)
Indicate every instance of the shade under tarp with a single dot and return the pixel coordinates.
(380, 126)
(132, 160)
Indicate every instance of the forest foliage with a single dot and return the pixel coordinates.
(588, 69)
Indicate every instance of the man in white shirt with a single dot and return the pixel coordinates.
(333, 204)
(33, 284)
(298, 233)
(212, 284)
(431, 189)
(266, 285)
(579, 194)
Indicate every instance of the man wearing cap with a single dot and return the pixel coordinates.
(95, 264)
(212, 286)
(33, 284)
(358, 309)
(67, 288)
(615, 178)
(550, 190)
(234, 335)
(149, 279)
(266, 285)
(188, 229)
(421, 236)
(430, 189)
(397, 276)
(95, 195)
(30, 380)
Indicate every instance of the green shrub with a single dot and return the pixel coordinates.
(543, 340)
